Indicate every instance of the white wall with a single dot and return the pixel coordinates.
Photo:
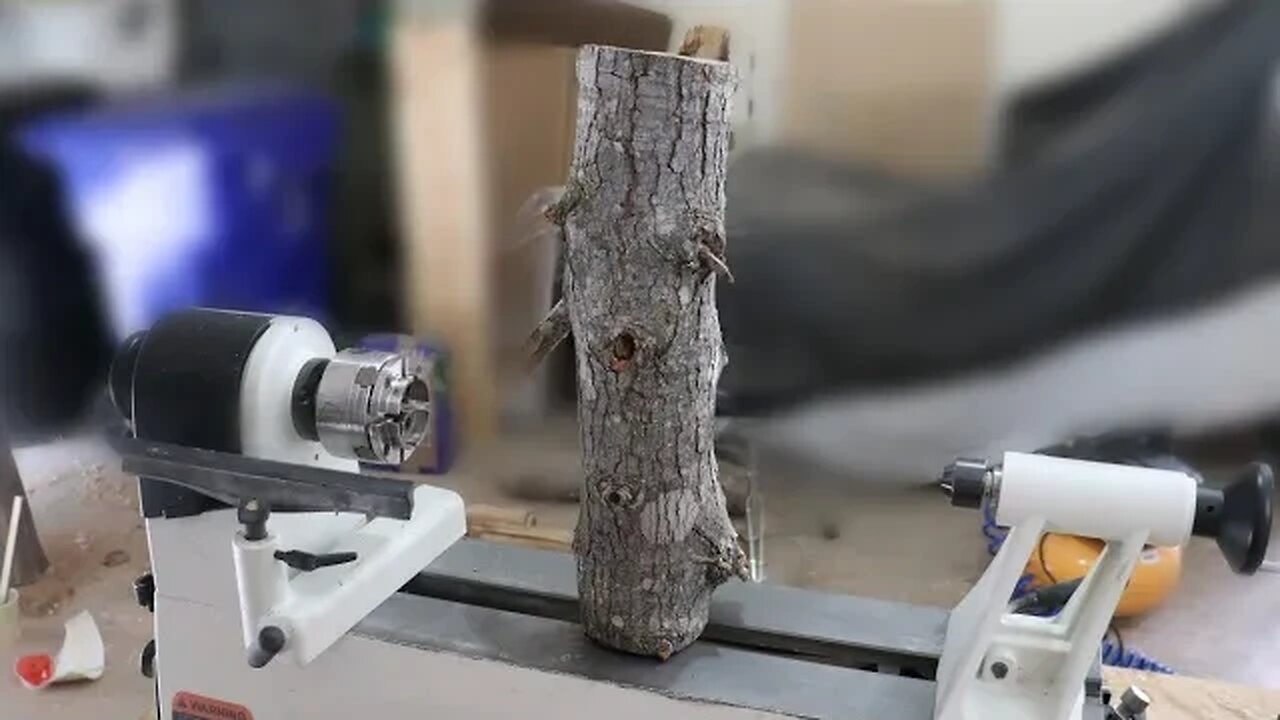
(1039, 40)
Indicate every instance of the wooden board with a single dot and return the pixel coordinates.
(530, 98)
(444, 202)
(1176, 697)
(904, 85)
(483, 104)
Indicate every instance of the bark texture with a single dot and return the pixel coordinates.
(643, 214)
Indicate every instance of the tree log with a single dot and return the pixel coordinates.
(643, 214)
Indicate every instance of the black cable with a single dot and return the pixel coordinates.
(1047, 600)
(1119, 638)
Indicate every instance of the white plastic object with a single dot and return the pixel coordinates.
(82, 655)
(996, 665)
(315, 609)
(261, 579)
(10, 546)
(266, 390)
(1098, 500)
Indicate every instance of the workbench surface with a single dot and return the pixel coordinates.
(1177, 697)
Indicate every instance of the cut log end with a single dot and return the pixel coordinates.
(706, 41)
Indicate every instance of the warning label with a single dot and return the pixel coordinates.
(189, 706)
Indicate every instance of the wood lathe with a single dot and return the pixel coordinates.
(287, 585)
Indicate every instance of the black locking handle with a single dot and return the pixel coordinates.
(306, 562)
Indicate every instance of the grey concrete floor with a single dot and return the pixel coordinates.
(898, 543)
(87, 515)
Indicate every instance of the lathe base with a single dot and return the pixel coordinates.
(483, 633)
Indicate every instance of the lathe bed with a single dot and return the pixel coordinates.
(768, 648)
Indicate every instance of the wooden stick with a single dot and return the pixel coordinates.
(706, 41)
(515, 526)
(539, 538)
(10, 547)
(481, 515)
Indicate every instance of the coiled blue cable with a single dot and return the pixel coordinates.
(1118, 656)
(1114, 654)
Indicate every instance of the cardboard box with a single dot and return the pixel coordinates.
(903, 85)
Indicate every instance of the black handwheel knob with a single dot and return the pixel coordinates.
(271, 640)
(1246, 527)
(253, 515)
(144, 591)
(147, 660)
(1239, 518)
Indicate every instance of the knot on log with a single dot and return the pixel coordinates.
(558, 212)
(709, 252)
(622, 350)
(620, 496)
(730, 562)
(726, 559)
(665, 650)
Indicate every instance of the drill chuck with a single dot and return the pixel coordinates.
(967, 482)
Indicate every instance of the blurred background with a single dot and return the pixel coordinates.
(923, 196)
(955, 226)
